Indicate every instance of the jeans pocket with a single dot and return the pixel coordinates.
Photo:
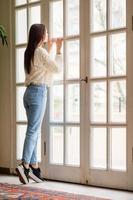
(35, 96)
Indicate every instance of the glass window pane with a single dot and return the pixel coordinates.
(118, 154)
(30, 1)
(118, 54)
(21, 26)
(98, 15)
(56, 19)
(73, 146)
(20, 74)
(34, 15)
(56, 103)
(98, 102)
(98, 56)
(20, 110)
(117, 13)
(21, 132)
(98, 147)
(73, 103)
(72, 17)
(56, 145)
(118, 101)
(60, 62)
(72, 59)
(20, 2)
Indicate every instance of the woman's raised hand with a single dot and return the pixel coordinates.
(58, 45)
(58, 42)
(50, 44)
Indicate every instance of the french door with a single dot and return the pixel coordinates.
(62, 138)
(87, 129)
(107, 123)
(25, 13)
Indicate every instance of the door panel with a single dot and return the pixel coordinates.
(87, 131)
(107, 129)
(26, 14)
(63, 140)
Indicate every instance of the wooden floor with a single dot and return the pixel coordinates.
(73, 188)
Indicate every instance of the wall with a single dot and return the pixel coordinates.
(5, 100)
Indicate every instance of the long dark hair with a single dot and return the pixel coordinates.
(36, 34)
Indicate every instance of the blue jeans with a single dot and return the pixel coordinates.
(35, 98)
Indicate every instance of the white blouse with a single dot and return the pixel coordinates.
(43, 68)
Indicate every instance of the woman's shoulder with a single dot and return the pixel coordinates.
(41, 51)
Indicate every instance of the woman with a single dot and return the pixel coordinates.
(39, 70)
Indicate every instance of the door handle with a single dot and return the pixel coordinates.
(84, 79)
(44, 148)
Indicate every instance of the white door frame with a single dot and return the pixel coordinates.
(83, 175)
(118, 179)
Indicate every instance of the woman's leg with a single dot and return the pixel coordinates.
(33, 103)
(34, 123)
(34, 111)
(34, 154)
(34, 158)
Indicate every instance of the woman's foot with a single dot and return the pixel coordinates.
(23, 173)
(35, 174)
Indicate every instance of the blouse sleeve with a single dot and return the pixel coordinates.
(51, 65)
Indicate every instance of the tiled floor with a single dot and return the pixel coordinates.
(73, 188)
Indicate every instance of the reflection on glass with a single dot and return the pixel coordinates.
(21, 132)
(20, 74)
(72, 59)
(117, 13)
(98, 147)
(73, 146)
(56, 19)
(72, 17)
(56, 104)
(118, 101)
(98, 56)
(118, 54)
(21, 26)
(98, 17)
(34, 15)
(20, 110)
(20, 2)
(98, 102)
(118, 155)
(73, 103)
(56, 145)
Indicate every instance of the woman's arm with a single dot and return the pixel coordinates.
(50, 64)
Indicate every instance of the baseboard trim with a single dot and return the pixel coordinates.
(4, 170)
